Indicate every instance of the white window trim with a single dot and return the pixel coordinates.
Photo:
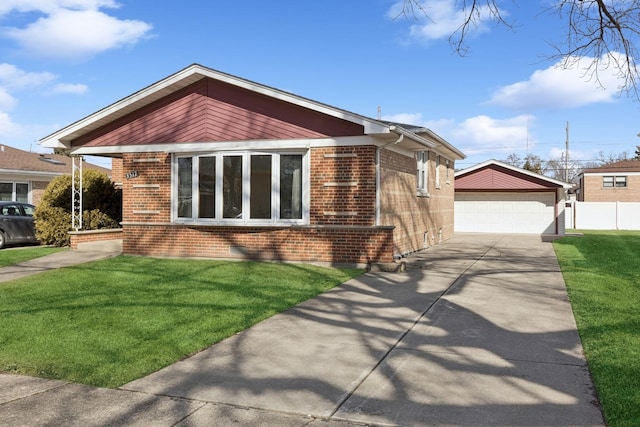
(246, 190)
(437, 166)
(13, 189)
(422, 165)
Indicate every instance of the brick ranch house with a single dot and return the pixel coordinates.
(217, 166)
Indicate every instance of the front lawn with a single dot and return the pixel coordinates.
(602, 273)
(109, 322)
(16, 255)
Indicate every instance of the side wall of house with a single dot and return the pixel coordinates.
(593, 190)
(341, 228)
(419, 221)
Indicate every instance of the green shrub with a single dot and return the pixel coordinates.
(102, 207)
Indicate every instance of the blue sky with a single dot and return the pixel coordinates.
(61, 60)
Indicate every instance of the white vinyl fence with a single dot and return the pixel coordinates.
(603, 215)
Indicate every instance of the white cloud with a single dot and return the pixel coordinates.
(483, 134)
(70, 88)
(72, 28)
(48, 6)
(8, 128)
(439, 19)
(558, 87)
(478, 134)
(14, 78)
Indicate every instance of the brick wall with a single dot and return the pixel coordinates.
(117, 171)
(88, 236)
(37, 191)
(342, 216)
(593, 191)
(353, 245)
(146, 188)
(415, 217)
(343, 186)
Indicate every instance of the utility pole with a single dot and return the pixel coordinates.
(566, 156)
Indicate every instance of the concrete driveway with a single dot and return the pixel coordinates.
(478, 331)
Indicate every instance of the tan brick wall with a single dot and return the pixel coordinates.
(414, 216)
(37, 191)
(593, 191)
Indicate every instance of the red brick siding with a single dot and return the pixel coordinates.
(304, 244)
(117, 174)
(413, 216)
(593, 191)
(342, 186)
(147, 195)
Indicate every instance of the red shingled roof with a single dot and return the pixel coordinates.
(15, 159)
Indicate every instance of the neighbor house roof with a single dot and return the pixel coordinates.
(495, 177)
(14, 160)
(64, 138)
(616, 167)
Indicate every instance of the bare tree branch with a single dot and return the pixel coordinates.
(605, 31)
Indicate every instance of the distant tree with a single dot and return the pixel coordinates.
(514, 160)
(531, 162)
(637, 153)
(557, 168)
(603, 30)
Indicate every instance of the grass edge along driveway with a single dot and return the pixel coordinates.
(602, 274)
(11, 256)
(109, 322)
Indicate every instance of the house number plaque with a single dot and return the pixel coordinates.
(132, 174)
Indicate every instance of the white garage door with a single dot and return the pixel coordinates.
(532, 213)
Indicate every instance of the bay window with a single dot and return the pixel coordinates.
(246, 188)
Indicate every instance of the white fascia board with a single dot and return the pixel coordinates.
(618, 173)
(195, 147)
(14, 172)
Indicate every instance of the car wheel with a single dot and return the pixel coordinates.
(2, 240)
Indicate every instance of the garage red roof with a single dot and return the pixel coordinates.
(495, 175)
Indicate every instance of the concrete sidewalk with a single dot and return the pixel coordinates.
(478, 331)
(88, 253)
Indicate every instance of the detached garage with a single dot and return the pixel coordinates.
(494, 197)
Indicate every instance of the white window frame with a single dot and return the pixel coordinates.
(447, 162)
(422, 174)
(438, 171)
(246, 189)
(14, 186)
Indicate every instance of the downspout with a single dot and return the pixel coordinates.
(378, 150)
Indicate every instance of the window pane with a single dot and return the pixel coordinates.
(621, 181)
(22, 192)
(184, 187)
(28, 210)
(291, 187)
(260, 187)
(207, 187)
(6, 191)
(232, 187)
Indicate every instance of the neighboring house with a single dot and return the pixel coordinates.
(614, 182)
(495, 197)
(221, 167)
(24, 175)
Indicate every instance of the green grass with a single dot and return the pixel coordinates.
(109, 322)
(602, 273)
(14, 256)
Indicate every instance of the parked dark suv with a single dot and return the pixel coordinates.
(16, 223)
